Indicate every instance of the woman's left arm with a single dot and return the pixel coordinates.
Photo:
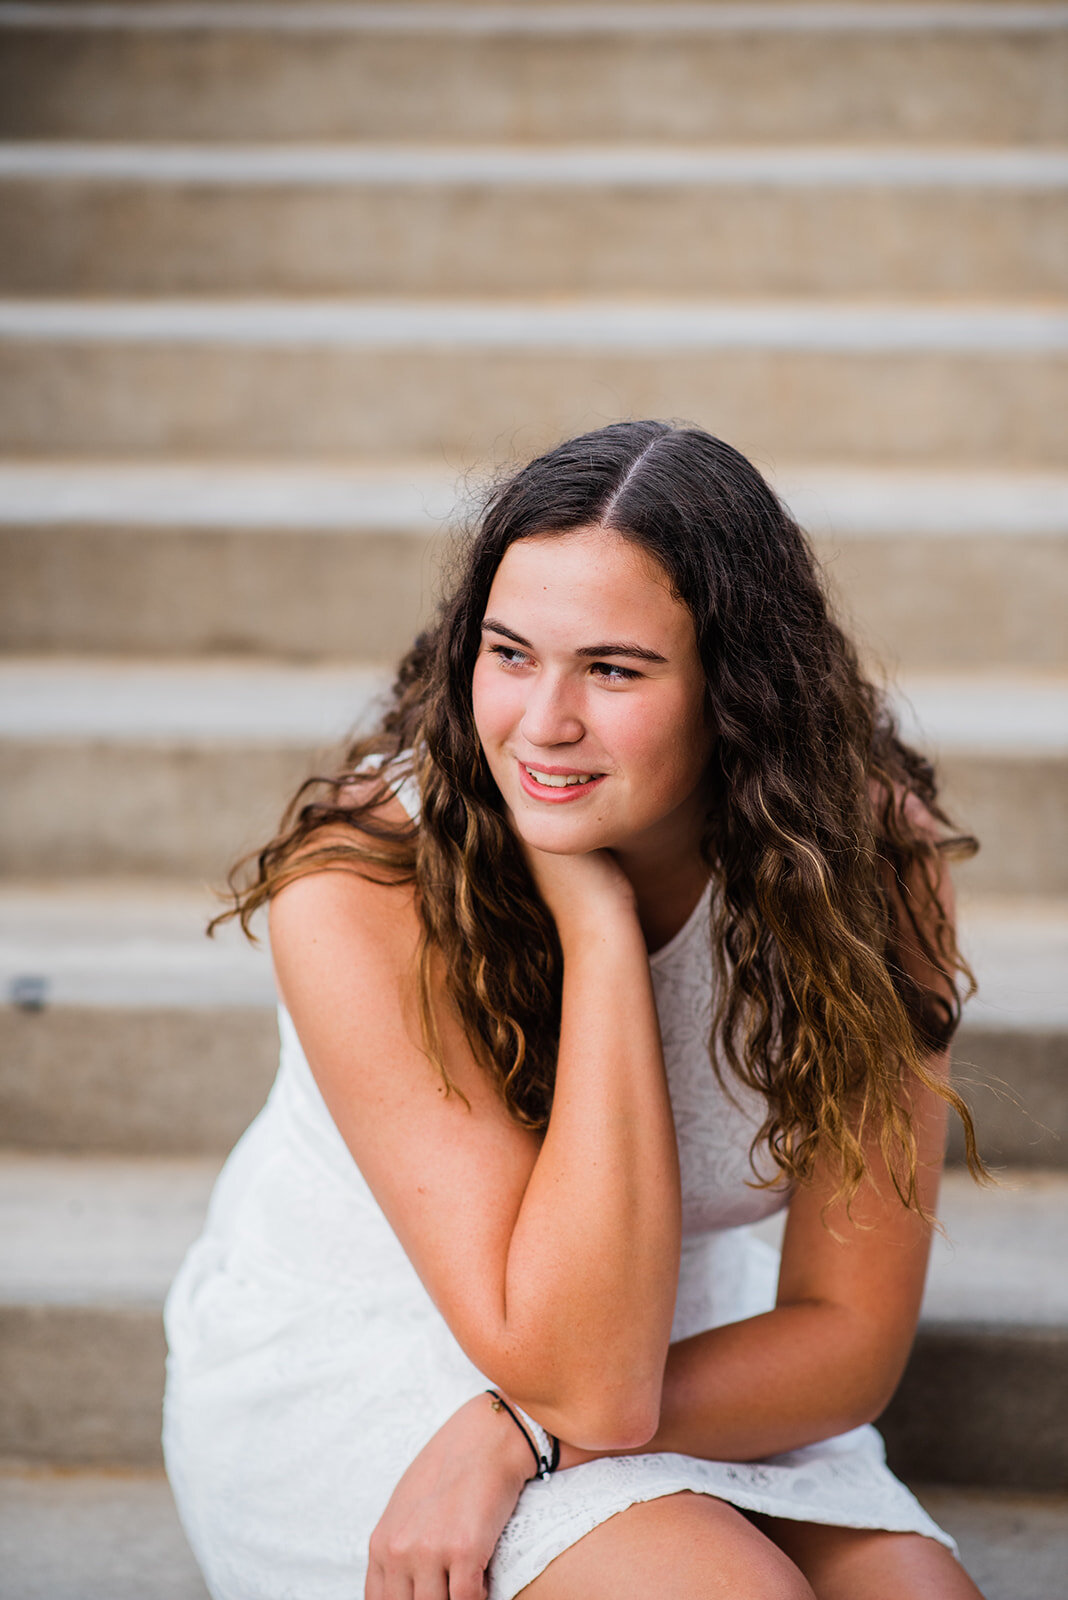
(831, 1353)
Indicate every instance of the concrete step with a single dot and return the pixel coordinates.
(935, 569)
(88, 1246)
(194, 558)
(69, 1534)
(373, 219)
(1014, 1546)
(123, 1029)
(92, 1534)
(992, 1345)
(928, 384)
(176, 768)
(928, 72)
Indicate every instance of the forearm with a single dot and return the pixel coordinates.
(592, 1266)
(775, 1382)
(769, 1384)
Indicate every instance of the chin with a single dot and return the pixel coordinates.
(559, 838)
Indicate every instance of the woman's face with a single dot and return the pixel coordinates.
(589, 698)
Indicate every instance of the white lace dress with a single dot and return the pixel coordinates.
(308, 1365)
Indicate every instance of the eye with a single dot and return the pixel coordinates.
(509, 655)
(610, 672)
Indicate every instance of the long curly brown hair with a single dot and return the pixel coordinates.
(823, 831)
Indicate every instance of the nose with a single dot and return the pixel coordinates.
(550, 714)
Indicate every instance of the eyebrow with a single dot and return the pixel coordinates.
(592, 652)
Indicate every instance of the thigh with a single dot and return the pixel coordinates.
(870, 1564)
(680, 1547)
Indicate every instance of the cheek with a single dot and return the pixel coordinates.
(669, 744)
(493, 700)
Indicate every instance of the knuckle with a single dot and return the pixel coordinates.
(390, 1547)
(400, 1550)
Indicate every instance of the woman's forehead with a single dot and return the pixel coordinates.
(599, 560)
(591, 587)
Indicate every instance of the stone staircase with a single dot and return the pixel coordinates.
(273, 279)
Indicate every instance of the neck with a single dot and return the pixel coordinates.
(666, 890)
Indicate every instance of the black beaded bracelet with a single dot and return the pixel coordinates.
(546, 1465)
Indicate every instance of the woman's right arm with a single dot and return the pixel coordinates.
(554, 1260)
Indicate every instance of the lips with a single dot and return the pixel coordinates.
(557, 785)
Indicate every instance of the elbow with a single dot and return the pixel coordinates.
(594, 1417)
(876, 1400)
(876, 1385)
(611, 1422)
(613, 1433)
(865, 1411)
(607, 1404)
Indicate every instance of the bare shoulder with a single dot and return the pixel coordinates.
(332, 904)
(345, 942)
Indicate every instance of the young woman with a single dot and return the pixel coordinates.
(629, 928)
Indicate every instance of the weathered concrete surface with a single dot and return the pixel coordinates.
(929, 385)
(1014, 1546)
(92, 1535)
(977, 1406)
(189, 809)
(191, 591)
(188, 1080)
(1016, 1085)
(167, 1081)
(85, 219)
(600, 75)
(81, 1383)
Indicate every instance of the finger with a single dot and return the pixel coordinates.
(398, 1587)
(467, 1581)
(396, 1583)
(374, 1587)
(431, 1584)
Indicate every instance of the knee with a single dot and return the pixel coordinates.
(684, 1546)
(773, 1576)
(746, 1563)
(789, 1585)
(718, 1554)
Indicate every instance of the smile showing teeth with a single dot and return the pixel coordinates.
(559, 780)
